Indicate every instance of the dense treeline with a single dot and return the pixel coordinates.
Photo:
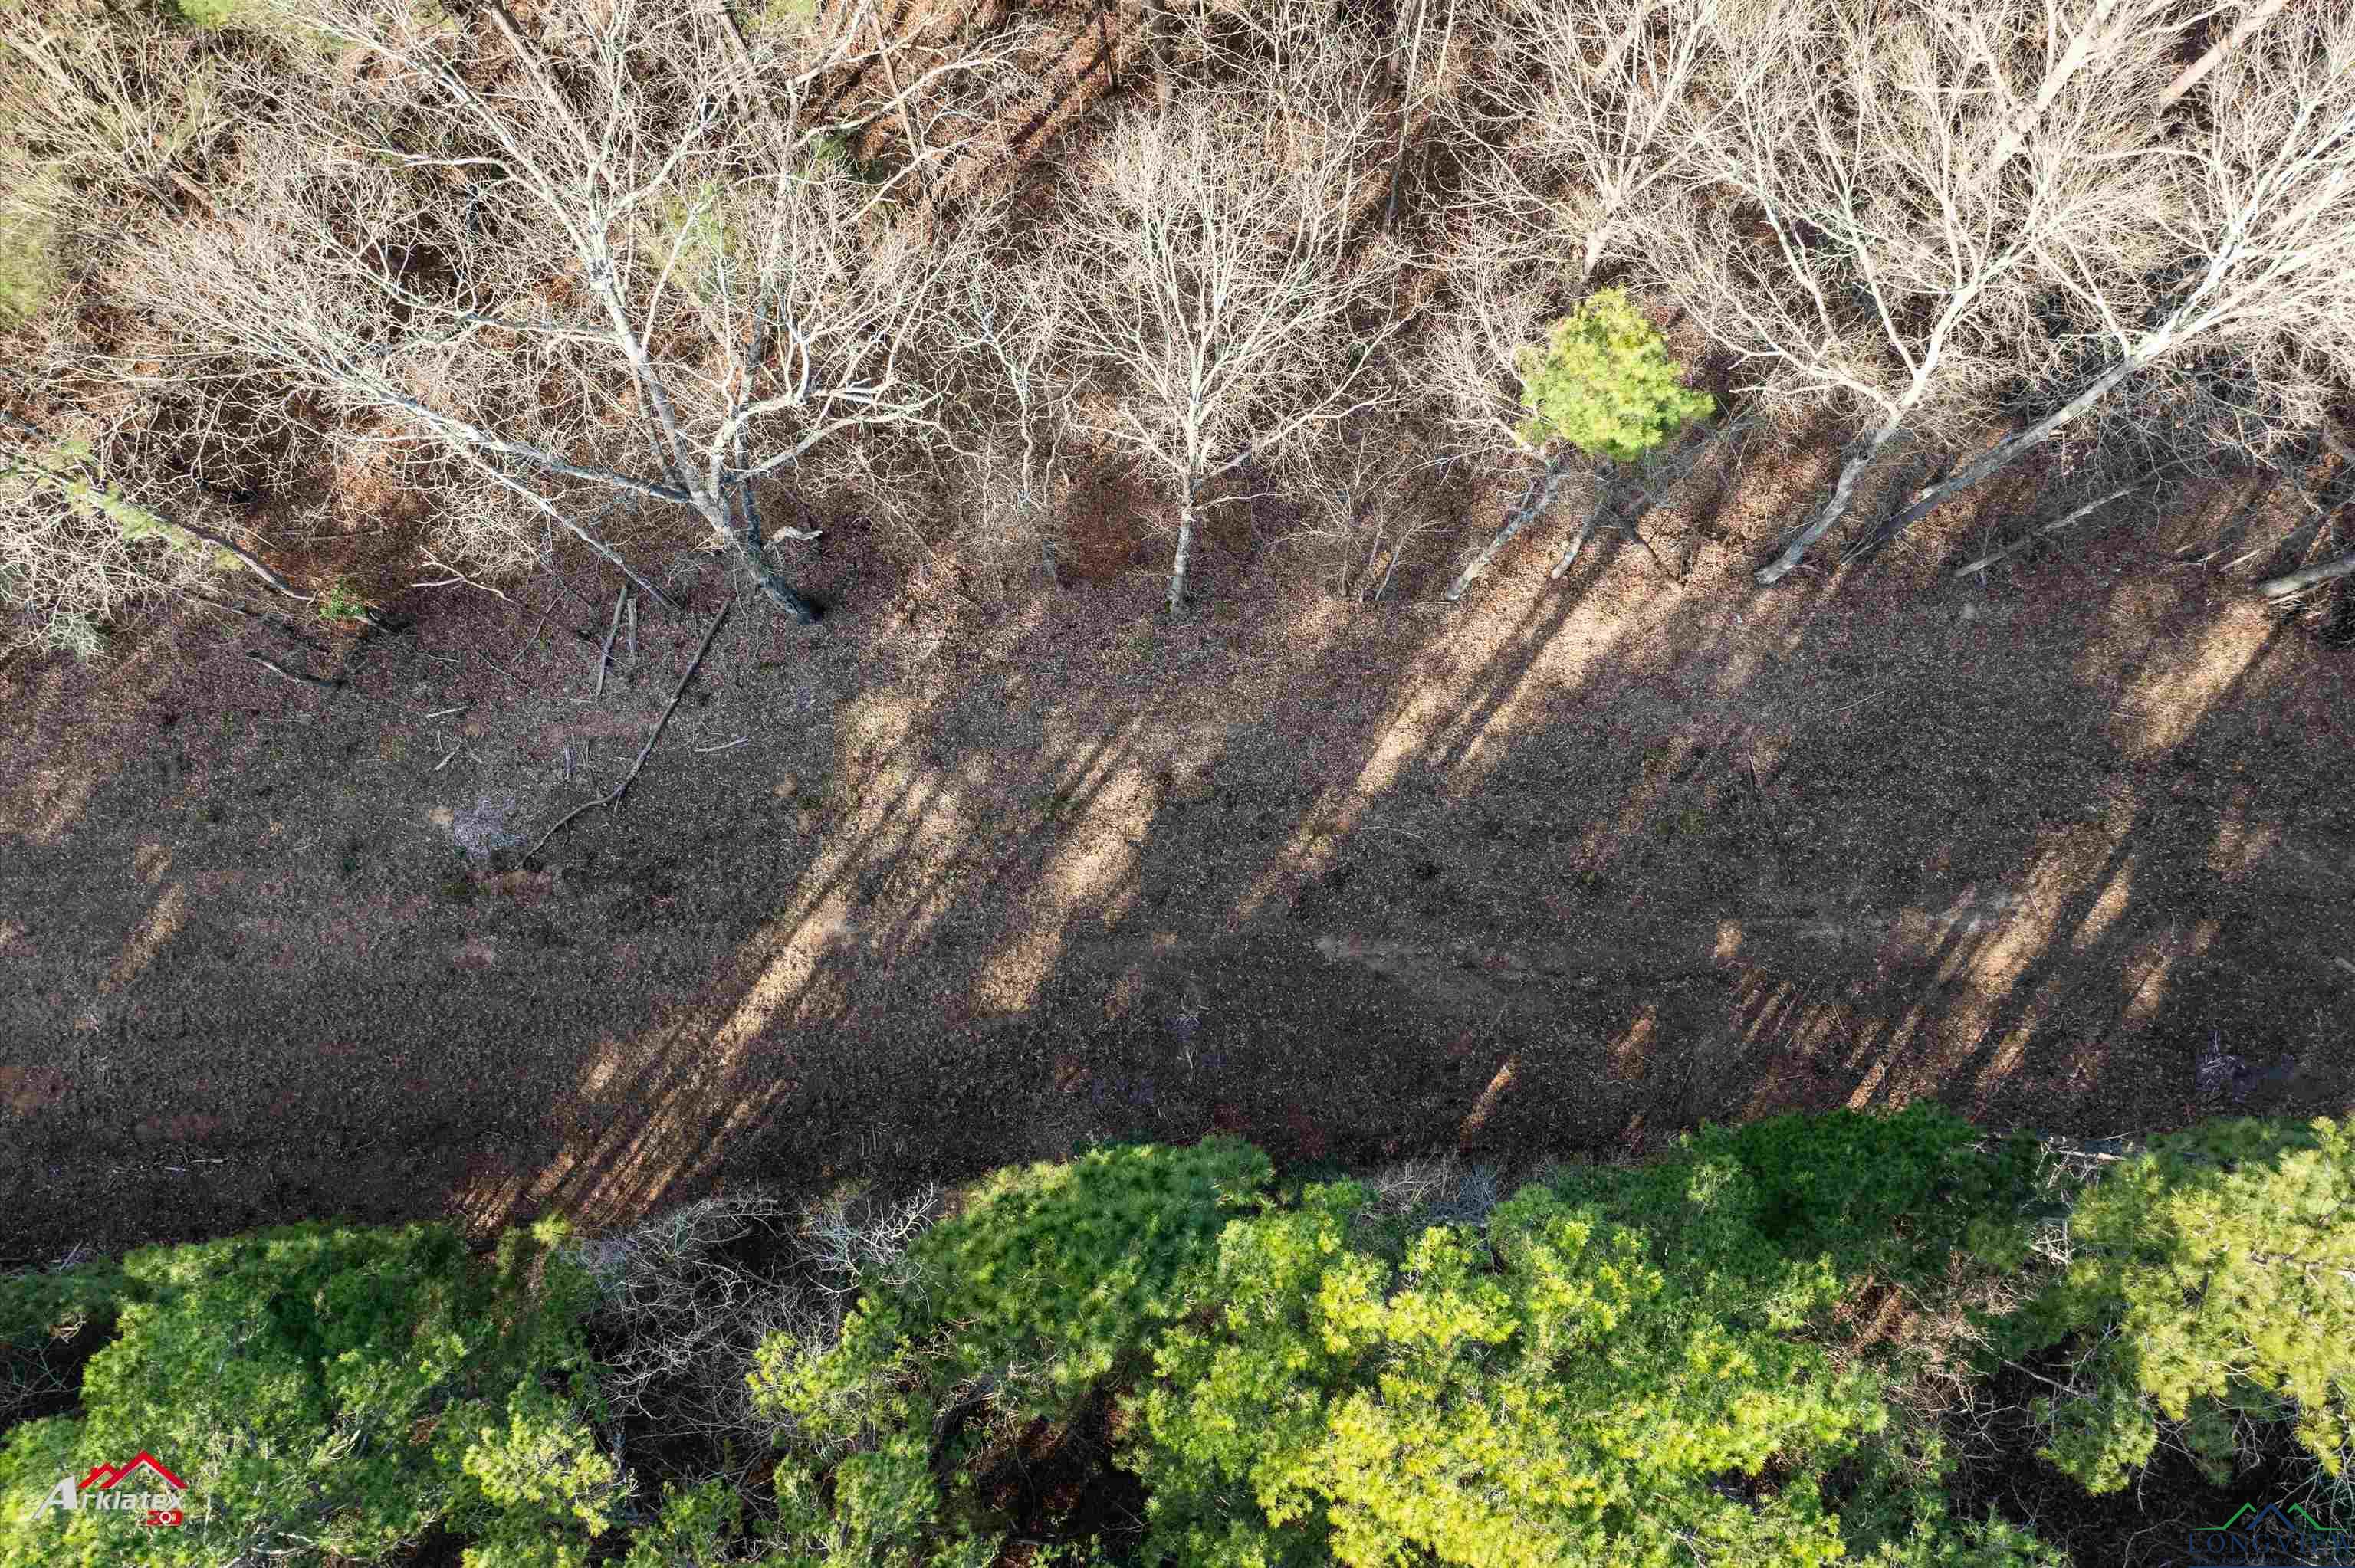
(1803, 1341)
(635, 274)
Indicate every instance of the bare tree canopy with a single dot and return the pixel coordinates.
(563, 267)
(1600, 112)
(1905, 219)
(617, 260)
(1212, 271)
(2258, 204)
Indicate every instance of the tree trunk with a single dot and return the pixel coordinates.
(1534, 501)
(755, 548)
(2094, 35)
(749, 546)
(1603, 512)
(2005, 451)
(1833, 509)
(1185, 549)
(2198, 69)
(2298, 582)
(1409, 97)
(775, 586)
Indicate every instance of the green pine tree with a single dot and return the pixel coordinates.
(1603, 382)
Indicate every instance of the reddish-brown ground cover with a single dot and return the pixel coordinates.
(1560, 871)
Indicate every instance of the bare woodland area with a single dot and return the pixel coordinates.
(606, 597)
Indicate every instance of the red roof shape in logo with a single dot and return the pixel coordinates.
(107, 1476)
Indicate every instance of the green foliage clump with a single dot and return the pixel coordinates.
(1047, 1286)
(1562, 1390)
(340, 604)
(213, 16)
(694, 1529)
(210, 13)
(2208, 1286)
(29, 266)
(329, 1390)
(41, 1305)
(1893, 1196)
(702, 242)
(777, 16)
(1626, 1366)
(1603, 382)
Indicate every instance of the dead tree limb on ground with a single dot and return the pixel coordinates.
(2298, 582)
(614, 797)
(2066, 520)
(605, 651)
(1536, 499)
(300, 679)
(1633, 490)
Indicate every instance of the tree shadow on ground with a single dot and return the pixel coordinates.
(1554, 874)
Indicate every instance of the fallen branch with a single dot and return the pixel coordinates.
(660, 724)
(1984, 562)
(283, 673)
(510, 674)
(456, 578)
(2298, 582)
(1535, 500)
(605, 654)
(251, 564)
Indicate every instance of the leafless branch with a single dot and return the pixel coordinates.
(614, 797)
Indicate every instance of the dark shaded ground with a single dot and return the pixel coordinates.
(1566, 869)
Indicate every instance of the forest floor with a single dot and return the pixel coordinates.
(997, 871)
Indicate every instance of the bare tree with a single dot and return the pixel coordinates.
(2259, 198)
(1017, 337)
(1364, 501)
(97, 101)
(1210, 265)
(2032, 60)
(564, 264)
(1899, 266)
(1600, 111)
(1474, 364)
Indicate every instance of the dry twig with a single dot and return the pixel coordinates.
(283, 673)
(605, 654)
(660, 724)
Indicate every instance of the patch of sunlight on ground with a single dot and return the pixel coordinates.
(1486, 1106)
(2147, 968)
(50, 799)
(2241, 845)
(1628, 1053)
(1092, 877)
(1431, 719)
(2107, 908)
(159, 926)
(2160, 705)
